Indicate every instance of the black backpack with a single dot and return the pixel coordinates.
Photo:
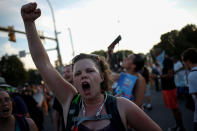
(111, 108)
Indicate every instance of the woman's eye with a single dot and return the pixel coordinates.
(78, 73)
(90, 70)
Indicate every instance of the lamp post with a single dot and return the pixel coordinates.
(56, 38)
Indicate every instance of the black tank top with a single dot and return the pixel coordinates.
(109, 127)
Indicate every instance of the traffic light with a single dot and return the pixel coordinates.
(11, 34)
(56, 63)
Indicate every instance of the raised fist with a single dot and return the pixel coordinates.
(30, 12)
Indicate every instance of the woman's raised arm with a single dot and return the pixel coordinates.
(62, 89)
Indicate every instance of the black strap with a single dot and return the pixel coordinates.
(111, 108)
(73, 111)
(22, 122)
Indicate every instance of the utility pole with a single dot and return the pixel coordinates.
(71, 41)
(56, 38)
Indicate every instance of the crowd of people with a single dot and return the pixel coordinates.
(82, 99)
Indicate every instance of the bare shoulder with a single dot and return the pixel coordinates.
(141, 81)
(140, 78)
(32, 125)
(133, 116)
(125, 104)
(123, 101)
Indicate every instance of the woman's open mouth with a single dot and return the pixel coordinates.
(86, 88)
(5, 110)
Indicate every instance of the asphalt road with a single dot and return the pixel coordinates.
(164, 117)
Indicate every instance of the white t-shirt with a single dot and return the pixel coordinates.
(192, 82)
(179, 77)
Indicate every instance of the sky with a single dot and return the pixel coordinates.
(94, 24)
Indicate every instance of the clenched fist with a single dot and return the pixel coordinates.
(30, 12)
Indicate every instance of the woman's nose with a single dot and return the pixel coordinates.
(84, 75)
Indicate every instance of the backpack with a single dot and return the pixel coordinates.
(22, 122)
(111, 108)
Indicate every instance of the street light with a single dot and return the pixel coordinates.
(56, 38)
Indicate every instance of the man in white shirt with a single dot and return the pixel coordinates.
(189, 58)
(179, 77)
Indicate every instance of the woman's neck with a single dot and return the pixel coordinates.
(6, 121)
(94, 102)
(131, 72)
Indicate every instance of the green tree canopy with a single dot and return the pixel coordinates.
(175, 42)
(34, 77)
(13, 71)
(100, 53)
(116, 59)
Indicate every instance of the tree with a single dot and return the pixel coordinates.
(116, 59)
(100, 53)
(34, 77)
(175, 42)
(12, 69)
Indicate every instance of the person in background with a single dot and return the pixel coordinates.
(58, 119)
(146, 75)
(169, 92)
(9, 121)
(28, 90)
(189, 58)
(67, 73)
(180, 78)
(134, 64)
(156, 71)
(34, 111)
(48, 102)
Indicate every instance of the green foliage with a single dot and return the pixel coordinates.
(100, 53)
(14, 73)
(12, 69)
(34, 77)
(120, 55)
(175, 42)
(116, 58)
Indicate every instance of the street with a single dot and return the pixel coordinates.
(164, 117)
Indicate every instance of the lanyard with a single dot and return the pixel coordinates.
(83, 118)
(99, 110)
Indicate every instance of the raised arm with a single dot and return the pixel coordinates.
(63, 90)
